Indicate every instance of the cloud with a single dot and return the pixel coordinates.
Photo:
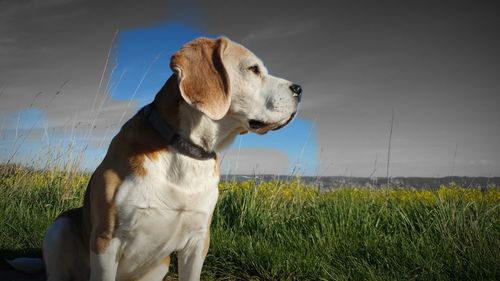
(282, 30)
(250, 161)
(481, 163)
(355, 61)
(52, 59)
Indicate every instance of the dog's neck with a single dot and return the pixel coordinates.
(193, 125)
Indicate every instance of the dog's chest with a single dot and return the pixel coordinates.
(166, 209)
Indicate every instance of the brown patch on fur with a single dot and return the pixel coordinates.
(103, 186)
(125, 156)
(127, 152)
(204, 82)
(167, 102)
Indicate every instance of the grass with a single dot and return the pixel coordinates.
(289, 231)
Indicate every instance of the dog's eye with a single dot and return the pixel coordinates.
(255, 69)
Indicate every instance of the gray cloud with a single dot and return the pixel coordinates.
(435, 62)
(47, 44)
(254, 161)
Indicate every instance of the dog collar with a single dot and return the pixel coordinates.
(173, 139)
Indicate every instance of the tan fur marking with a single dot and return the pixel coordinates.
(103, 211)
(204, 82)
(126, 155)
(168, 100)
(166, 261)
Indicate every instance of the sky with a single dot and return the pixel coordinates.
(72, 72)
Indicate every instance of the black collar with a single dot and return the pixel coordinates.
(173, 139)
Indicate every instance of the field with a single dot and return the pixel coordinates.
(291, 231)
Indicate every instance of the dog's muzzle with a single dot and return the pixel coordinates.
(255, 124)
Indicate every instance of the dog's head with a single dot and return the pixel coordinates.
(222, 79)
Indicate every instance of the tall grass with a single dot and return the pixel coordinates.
(290, 231)
(276, 231)
(30, 200)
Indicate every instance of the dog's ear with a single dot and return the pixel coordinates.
(203, 79)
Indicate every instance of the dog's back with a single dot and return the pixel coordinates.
(66, 255)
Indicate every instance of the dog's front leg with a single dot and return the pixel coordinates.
(190, 259)
(103, 259)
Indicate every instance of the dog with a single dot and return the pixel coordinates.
(156, 189)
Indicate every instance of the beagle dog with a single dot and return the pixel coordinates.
(156, 189)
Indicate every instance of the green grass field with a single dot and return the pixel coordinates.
(288, 231)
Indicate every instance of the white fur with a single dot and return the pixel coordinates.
(262, 97)
(169, 212)
(156, 274)
(104, 265)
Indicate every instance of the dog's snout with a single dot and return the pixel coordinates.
(296, 90)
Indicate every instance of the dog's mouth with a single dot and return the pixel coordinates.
(255, 124)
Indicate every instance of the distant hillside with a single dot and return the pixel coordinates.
(329, 181)
(415, 182)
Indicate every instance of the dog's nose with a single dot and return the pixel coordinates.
(296, 89)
